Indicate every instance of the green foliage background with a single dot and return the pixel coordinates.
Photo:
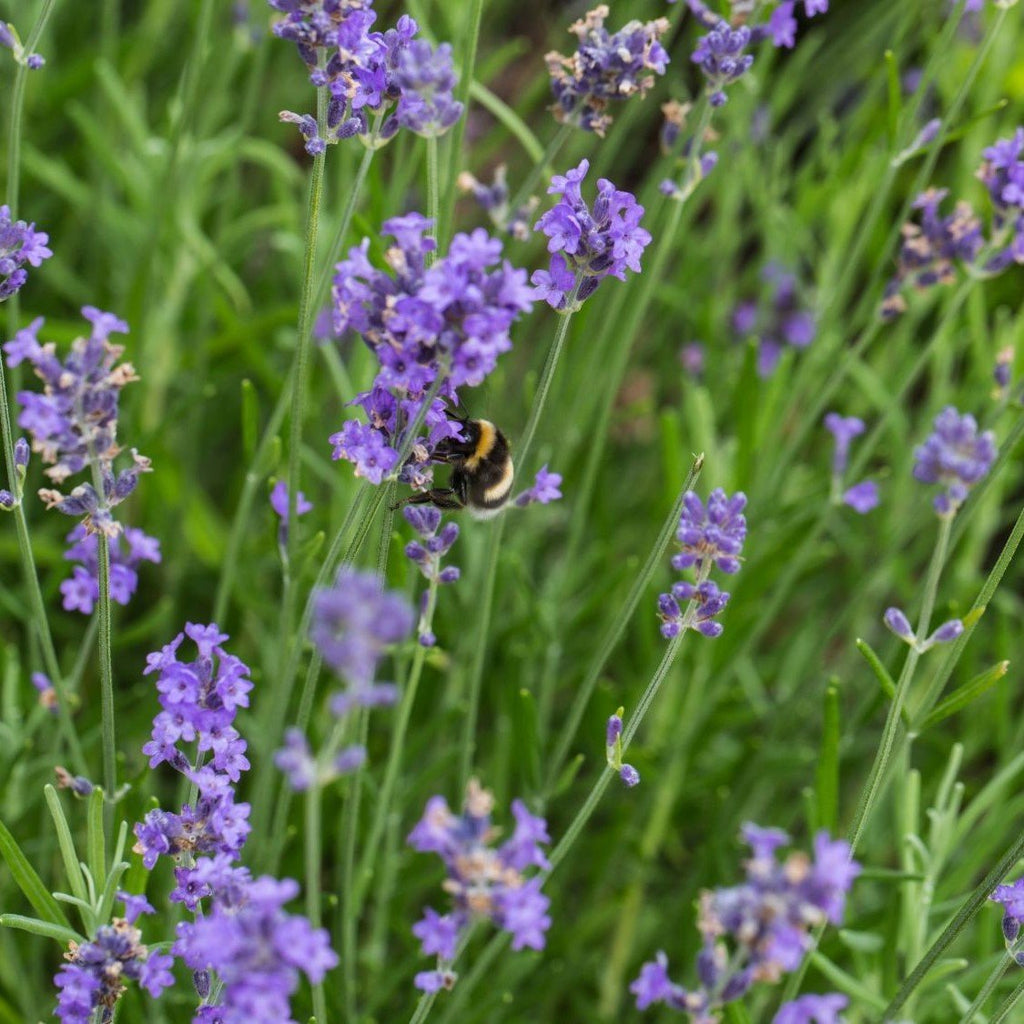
(153, 156)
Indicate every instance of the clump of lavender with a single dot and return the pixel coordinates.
(613, 751)
(127, 552)
(1011, 898)
(484, 881)
(20, 243)
(929, 250)
(95, 976)
(494, 199)
(760, 929)
(721, 58)
(862, 497)
(899, 624)
(546, 489)
(709, 537)
(1002, 173)
(378, 81)
(74, 422)
(240, 932)
(776, 320)
(956, 456)
(444, 327)
(587, 244)
(605, 67)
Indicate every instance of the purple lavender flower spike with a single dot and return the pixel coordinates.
(944, 634)
(128, 551)
(354, 622)
(587, 244)
(279, 501)
(955, 455)
(812, 1009)
(296, 760)
(485, 881)
(1003, 175)
(844, 429)
(711, 534)
(20, 243)
(721, 58)
(426, 81)
(606, 67)
(760, 929)
(9, 38)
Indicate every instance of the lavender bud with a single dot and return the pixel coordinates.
(629, 775)
(7, 500)
(21, 453)
(613, 730)
(898, 623)
(946, 633)
(201, 981)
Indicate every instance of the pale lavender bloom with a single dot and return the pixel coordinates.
(844, 429)
(606, 67)
(862, 497)
(778, 320)
(483, 880)
(296, 760)
(47, 693)
(20, 243)
(714, 533)
(955, 455)
(759, 929)
(426, 80)
(899, 624)
(128, 550)
(1011, 897)
(279, 501)
(812, 1009)
(544, 490)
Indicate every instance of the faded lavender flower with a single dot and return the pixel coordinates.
(862, 497)
(692, 358)
(483, 880)
(776, 321)
(721, 57)
(128, 551)
(897, 622)
(782, 25)
(378, 81)
(74, 422)
(587, 244)
(758, 930)
(813, 1009)
(47, 694)
(929, 250)
(545, 489)
(95, 976)
(279, 503)
(20, 243)
(606, 67)
(494, 199)
(444, 326)
(1002, 173)
(1002, 372)
(956, 456)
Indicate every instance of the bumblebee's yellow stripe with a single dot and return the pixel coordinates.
(483, 445)
(503, 486)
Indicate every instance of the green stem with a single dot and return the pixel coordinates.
(618, 627)
(986, 990)
(1003, 1013)
(433, 196)
(549, 154)
(879, 770)
(395, 751)
(312, 842)
(607, 774)
(106, 679)
(349, 832)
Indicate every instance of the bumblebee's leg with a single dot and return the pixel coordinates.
(439, 497)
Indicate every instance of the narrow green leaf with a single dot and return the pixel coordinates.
(892, 73)
(746, 402)
(826, 782)
(847, 982)
(966, 694)
(736, 1013)
(526, 737)
(36, 927)
(568, 776)
(884, 679)
(94, 839)
(72, 865)
(250, 420)
(117, 870)
(29, 882)
(509, 118)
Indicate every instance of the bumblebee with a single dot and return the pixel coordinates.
(482, 472)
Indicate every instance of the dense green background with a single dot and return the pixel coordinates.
(153, 156)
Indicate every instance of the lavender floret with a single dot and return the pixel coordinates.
(721, 58)
(20, 243)
(812, 1009)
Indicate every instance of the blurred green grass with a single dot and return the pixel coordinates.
(153, 156)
